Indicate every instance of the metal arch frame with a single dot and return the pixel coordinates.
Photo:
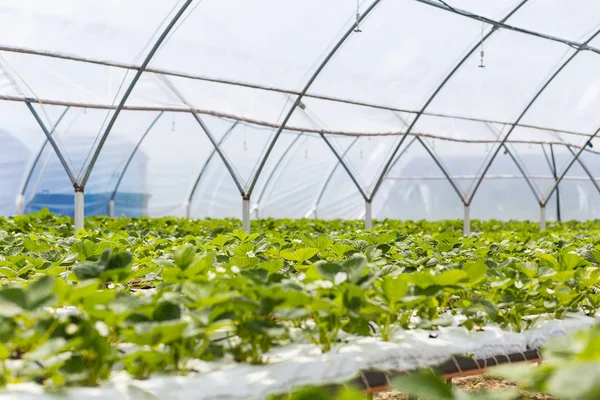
(50, 138)
(502, 24)
(585, 168)
(553, 168)
(208, 133)
(560, 178)
(133, 153)
(41, 151)
(449, 178)
(208, 160)
(437, 90)
(256, 206)
(329, 177)
(346, 168)
(314, 76)
(521, 168)
(127, 93)
(529, 105)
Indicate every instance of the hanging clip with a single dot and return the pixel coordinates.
(481, 64)
(357, 28)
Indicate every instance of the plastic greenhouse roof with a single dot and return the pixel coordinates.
(286, 102)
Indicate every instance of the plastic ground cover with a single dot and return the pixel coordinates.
(303, 364)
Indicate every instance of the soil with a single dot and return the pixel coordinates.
(473, 384)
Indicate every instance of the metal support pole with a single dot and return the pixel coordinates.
(298, 101)
(79, 209)
(467, 220)
(130, 159)
(368, 215)
(558, 217)
(50, 138)
(586, 169)
(542, 218)
(38, 156)
(20, 204)
(138, 74)
(246, 213)
(111, 208)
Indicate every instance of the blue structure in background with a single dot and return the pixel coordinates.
(50, 187)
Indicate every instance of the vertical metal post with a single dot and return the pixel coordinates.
(558, 218)
(79, 209)
(246, 213)
(542, 218)
(467, 220)
(111, 208)
(21, 204)
(368, 215)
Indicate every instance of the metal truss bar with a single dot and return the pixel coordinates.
(521, 167)
(130, 88)
(471, 177)
(331, 173)
(54, 145)
(346, 168)
(531, 102)
(558, 215)
(586, 169)
(444, 171)
(314, 76)
(208, 160)
(561, 177)
(208, 133)
(217, 148)
(501, 24)
(157, 71)
(39, 154)
(133, 153)
(276, 167)
(437, 90)
(290, 128)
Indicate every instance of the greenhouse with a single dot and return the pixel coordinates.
(329, 183)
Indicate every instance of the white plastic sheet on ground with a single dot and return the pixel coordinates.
(303, 364)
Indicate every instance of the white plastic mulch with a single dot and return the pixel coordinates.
(303, 364)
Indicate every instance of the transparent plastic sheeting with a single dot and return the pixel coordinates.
(311, 108)
(298, 365)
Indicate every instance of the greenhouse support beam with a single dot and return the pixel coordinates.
(130, 159)
(272, 173)
(205, 165)
(330, 176)
(585, 169)
(443, 83)
(79, 209)
(503, 25)
(529, 105)
(542, 218)
(138, 74)
(467, 220)
(558, 216)
(520, 167)
(336, 47)
(111, 208)
(368, 215)
(158, 71)
(208, 133)
(39, 155)
(451, 180)
(54, 145)
(346, 168)
(562, 175)
(246, 213)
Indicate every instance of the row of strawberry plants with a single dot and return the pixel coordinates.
(154, 295)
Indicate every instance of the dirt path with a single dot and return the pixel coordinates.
(473, 384)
